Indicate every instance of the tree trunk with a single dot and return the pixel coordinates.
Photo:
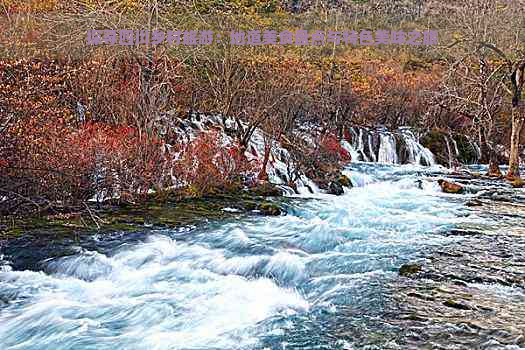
(517, 119)
(263, 175)
(494, 170)
(514, 159)
(483, 147)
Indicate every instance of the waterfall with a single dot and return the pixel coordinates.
(360, 145)
(348, 147)
(387, 149)
(476, 148)
(417, 153)
(449, 152)
(391, 147)
(371, 149)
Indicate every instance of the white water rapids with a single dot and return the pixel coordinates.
(253, 283)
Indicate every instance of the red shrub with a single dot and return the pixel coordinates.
(58, 162)
(330, 148)
(126, 163)
(206, 166)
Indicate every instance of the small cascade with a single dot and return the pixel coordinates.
(449, 152)
(371, 149)
(417, 154)
(348, 147)
(390, 147)
(361, 146)
(387, 149)
(476, 149)
(452, 151)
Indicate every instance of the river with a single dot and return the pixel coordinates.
(319, 277)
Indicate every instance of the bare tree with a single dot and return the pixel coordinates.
(474, 87)
(488, 34)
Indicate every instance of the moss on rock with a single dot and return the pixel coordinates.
(517, 183)
(268, 208)
(345, 181)
(467, 153)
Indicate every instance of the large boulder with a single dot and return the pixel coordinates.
(450, 187)
(436, 142)
(403, 153)
(335, 188)
(494, 171)
(345, 181)
(467, 152)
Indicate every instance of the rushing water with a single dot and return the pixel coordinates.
(400, 146)
(315, 278)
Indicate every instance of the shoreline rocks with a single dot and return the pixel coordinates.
(450, 187)
(336, 187)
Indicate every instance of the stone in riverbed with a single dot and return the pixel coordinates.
(457, 305)
(345, 181)
(335, 188)
(271, 209)
(250, 205)
(414, 317)
(517, 183)
(450, 187)
(421, 296)
(409, 269)
(474, 203)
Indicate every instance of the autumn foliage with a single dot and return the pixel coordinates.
(330, 149)
(76, 130)
(207, 165)
(100, 123)
(55, 162)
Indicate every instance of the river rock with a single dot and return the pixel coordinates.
(271, 209)
(335, 188)
(345, 181)
(456, 305)
(409, 269)
(474, 203)
(435, 141)
(494, 171)
(450, 187)
(517, 183)
(250, 205)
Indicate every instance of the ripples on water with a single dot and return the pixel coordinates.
(314, 278)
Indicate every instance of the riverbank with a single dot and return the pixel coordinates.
(153, 214)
